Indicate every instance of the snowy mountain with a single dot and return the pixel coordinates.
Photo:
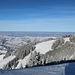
(56, 49)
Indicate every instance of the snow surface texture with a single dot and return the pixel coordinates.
(62, 69)
(44, 46)
(42, 70)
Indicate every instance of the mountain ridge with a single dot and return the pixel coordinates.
(61, 49)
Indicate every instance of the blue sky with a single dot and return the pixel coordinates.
(37, 15)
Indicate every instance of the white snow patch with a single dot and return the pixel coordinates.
(3, 51)
(66, 39)
(22, 63)
(44, 46)
(1, 57)
(71, 57)
(6, 61)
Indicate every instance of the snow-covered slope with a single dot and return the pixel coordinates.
(1, 57)
(2, 54)
(44, 46)
(5, 61)
(23, 62)
(3, 51)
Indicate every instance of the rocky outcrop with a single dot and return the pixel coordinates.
(7, 54)
(57, 43)
(64, 52)
(72, 38)
(24, 50)
(67, 35)
(20, 53)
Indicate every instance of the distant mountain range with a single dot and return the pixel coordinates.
(34, 33)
